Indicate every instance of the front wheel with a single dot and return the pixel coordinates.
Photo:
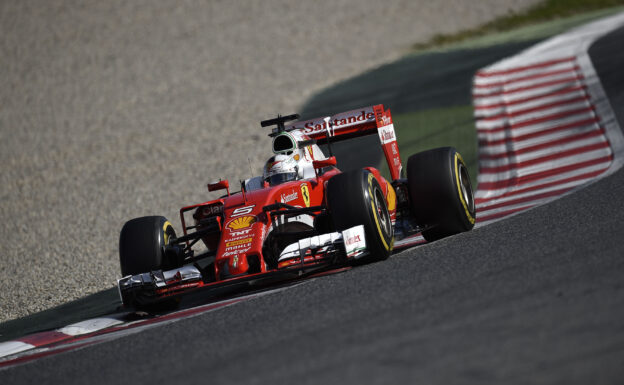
(356, 198)
(142, 245)
(440, 192)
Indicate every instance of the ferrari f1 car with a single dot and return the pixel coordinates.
(301, 216)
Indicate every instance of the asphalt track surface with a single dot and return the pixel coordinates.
(608, 59)
(119, 109)
(537, 298)
(429, 80)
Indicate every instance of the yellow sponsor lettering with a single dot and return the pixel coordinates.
(239, 242)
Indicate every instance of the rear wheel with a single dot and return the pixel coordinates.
(440, 192)
(356, 198)
(142, 245)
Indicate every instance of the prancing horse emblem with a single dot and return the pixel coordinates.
(305, 193)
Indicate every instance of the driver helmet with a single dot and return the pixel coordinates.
(280, 168)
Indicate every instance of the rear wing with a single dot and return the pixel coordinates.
(351, 124)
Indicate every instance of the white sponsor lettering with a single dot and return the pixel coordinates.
(235, 252)
(339, 121)
(354, 241)
(238, 237)
(211, 210)
(289, 197)
(242, 210)
(236, 247)
(386, 134)
(239, 233)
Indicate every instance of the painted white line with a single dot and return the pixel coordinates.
(543, 83)
(529, 156)
(18, 350)
(522, 96)
(536, 128)
(543, 121)
(534, 202)
(89, 326)
(502, 108)
(567, 64)
(519, 83)
(493, 192)
(534, 170)
(496, 201)
(13, 347)
(538, 140)
(411, 240)
(524, 118)
(503, 213)
(500, 104)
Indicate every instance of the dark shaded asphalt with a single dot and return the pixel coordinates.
(607, 56)
(538, 298)
(99, 304)
(535, 299)
(414, 83)
(119, 109)
(427, 81)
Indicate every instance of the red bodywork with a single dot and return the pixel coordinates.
(243, 223)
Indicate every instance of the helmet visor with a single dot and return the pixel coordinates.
(281, 178)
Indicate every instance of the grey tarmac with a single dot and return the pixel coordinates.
(118, 109)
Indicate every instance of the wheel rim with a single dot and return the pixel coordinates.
(382, 213)
(466, 187)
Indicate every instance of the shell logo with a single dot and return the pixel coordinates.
(241, 223)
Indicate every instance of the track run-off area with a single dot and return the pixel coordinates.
(534, 298)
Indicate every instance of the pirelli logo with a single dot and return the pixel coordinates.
(239, 242)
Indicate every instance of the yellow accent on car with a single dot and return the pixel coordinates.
(372, 200)
(241, 223)
(391, 198)
(458, 158)
(165, 235)
(305, 194)
(239, 242)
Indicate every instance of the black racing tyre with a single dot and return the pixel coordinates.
(356, 198)
(142, 245)
(440, 192)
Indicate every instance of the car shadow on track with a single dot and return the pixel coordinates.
(106, 303)
(95, 305)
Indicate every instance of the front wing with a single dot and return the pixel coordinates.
(305, 256)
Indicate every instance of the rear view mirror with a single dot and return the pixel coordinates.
(220, 185)
(331, 161)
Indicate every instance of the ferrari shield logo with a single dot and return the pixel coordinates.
(305, 194)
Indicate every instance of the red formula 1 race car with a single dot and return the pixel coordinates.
(302, 215)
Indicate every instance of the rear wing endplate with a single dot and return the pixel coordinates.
(355, 123)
